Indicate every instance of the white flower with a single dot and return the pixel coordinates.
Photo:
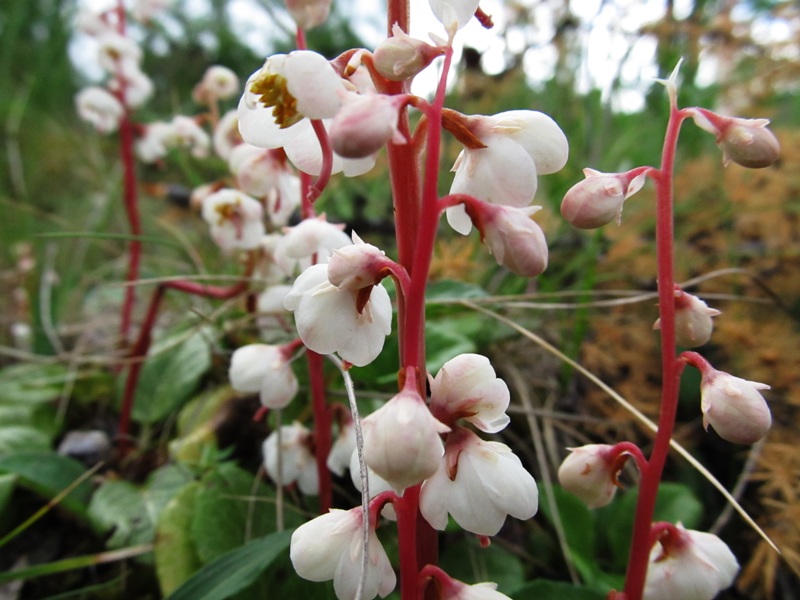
(297, 464)
(264, 369)
(479, 591)
(115, 50)
(100, 108)
(516, 241)
(144, 10)
(734, 407)
(466, 387)
(218, 83)
(588, 473)
(693, 324)
(479, 483)
(235, 219)
(226, 135)
(519, 145)
(365, 123)
(308, 13)
(153, 145)
(598, 199)
(186, 133)
(331, 547)
(454, 14)
(401, 440)
(130, 81)
(342, 449)
(314, 236)
(328, 319)
(689, 565)
(90, 21)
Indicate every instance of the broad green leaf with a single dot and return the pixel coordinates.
(453, 290)
(47, 474)
(235, 570)
(174, 551)
(444, 340)
(544, 589)
(168, 378)
(468, 561)
(31, 383)
(19, 438)
(7, 484)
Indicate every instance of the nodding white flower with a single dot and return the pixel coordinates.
(331, 546)
(100, 108)
(734, 407)
(466, 387)
(186, 133)
(226, 135)
(218, 83)
(516, 241)
(264, 369)
(401, 57)
(236, 219)
(330, 320)
(115, 51)
(454, 14)
(314, 236)
(377, 485)
(689, 565)
(486, 590)
(357, 265)
(518, 146)
(590, 473)
(266, 174)
(153, 145)
(342, 449)
(308, 13)
(479, 483)
(292, 461)
(401, 439)
(90, 21)
(693, 324)
(365, 123)
(598, 199)
(144, 10)
(133, 84)
(747, 142)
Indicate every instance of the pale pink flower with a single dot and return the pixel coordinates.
(315, 237)
(186, 133)
(516, 241)
(734, 407)
(466, 387)
(365, 123)
(402, 440)
(153, 145)
(292, 461)
(236, 219)
(693, 324)
(590, 473)
(130, 81)
(144, 10)
(479, 483)
(328, 319)
(357, 265)
(598, 199)
(308, 13)
(331, 546)
(401, 57)
(116, 50)
(747, 142)
(264, 369)
(218, 83)
(226, 135)
(100, 108)
(689, 565)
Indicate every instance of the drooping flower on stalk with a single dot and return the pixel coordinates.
(264, 369)
(235, 219)
(292, 461)
(693, 324)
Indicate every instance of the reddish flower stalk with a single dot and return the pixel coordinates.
(671, 367)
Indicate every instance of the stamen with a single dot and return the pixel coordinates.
(272, 91)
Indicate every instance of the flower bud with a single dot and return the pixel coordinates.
(598, 199)
(693, 324)
(747, 142)
(401, 57)
(364, 124)
(356, 266)
(308, 13)
(590, 473)
(401, 439)
(516, 241)
(733, 406)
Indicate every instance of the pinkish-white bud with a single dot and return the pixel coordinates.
(598, 199)
(516, 241)
(466, 387)
(356, 266)
(218, 83)
(364, 124)
(401, 440)
(264, 369)
(747, 142)
(693, 324)
(589, 472)
(734, 407)
(689, 565)
(100, 108)
(401, 57)
(308, 13)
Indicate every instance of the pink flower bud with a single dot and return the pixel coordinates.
(693, 324)
(308, 13)
(746, 142)
(689, 565)
(356, 266)
(401, 57)
(516, 241)
(598, 199)
(364, 124)
(590, 473)
(401, 440)
(733, 406)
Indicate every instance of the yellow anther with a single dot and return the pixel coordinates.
(272, 92)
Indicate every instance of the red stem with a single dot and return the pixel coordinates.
(670, 367)
(322, 429)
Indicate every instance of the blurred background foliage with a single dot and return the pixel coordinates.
(58, 177)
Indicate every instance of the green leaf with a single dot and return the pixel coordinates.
(168, 378)
(175, 556)
(31, 383)
(544, 589)
(453, 290)
(7, 484)
(20, 438)
(444, 340)
(47, 474)
(468, 561)
(234, 570)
